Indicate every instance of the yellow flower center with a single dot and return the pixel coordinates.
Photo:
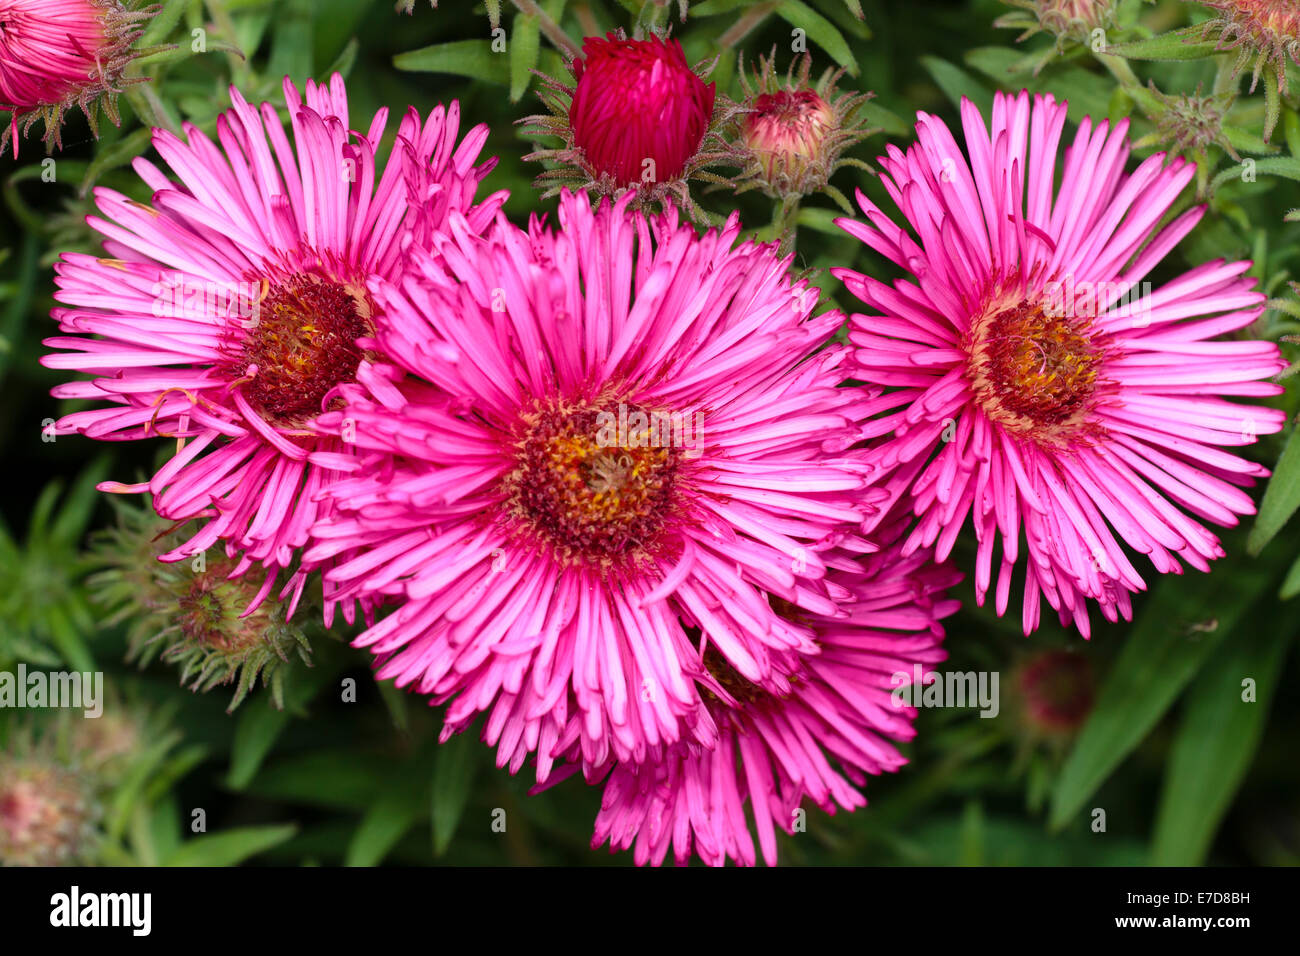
(586, 491)
(1033, 370)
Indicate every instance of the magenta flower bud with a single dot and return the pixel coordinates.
(639, 113)
(58, 53)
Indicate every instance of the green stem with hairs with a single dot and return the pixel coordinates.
(239, 68)
(1120, 69)
(782, 228)
(746, 22)
(553, 31)
(586, 19)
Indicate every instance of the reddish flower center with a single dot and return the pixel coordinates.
(302, 344)
(1058, 690)
(1033, 371)
(588, 495)
(19, 808)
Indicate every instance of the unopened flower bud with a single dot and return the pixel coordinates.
(47, 813)
(1057, 691)
(55, 54)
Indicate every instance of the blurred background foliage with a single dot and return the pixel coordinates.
(1144, 722)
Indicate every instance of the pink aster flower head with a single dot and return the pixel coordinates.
(1264, 34)
(596, 455)
(820, 739)
(57, 53)
(225, 314)
(1041, 389)
(637, 117)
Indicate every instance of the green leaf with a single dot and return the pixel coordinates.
(172, 770)
(1000, 64)
(971, 852)
(1291, 583)
(1281, 498)
(886, 120)
(119, 154)
(1165, 648)
(67, 641)
(1244, 141)
(128, 793)
(822, 220)
(346, 59)
(713, 8)
(820, 30)
(847, 15)
(23, 649)
(472, 58)
(337, 779)
(1184, 44)
(74, 516)
(956, 83)
(453, 778)
(383, 825)
(162, 22)
(524, 44)
(256, 730)
(395, 699)
(231, 847)
(259, 727)
(1217, 740)
(1269, 166)
(17, 309)
(155, 830)
(1291, 129)
(291, 51)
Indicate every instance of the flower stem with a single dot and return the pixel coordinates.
(783, 226)
(553, 32)
(1120, 69)
(586, 19)
(239, 68)
(745, 22)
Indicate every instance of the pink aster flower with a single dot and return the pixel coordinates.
(819, 739)
(229, 309)
(56, 53)
(595, 456)
(1041, 386)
